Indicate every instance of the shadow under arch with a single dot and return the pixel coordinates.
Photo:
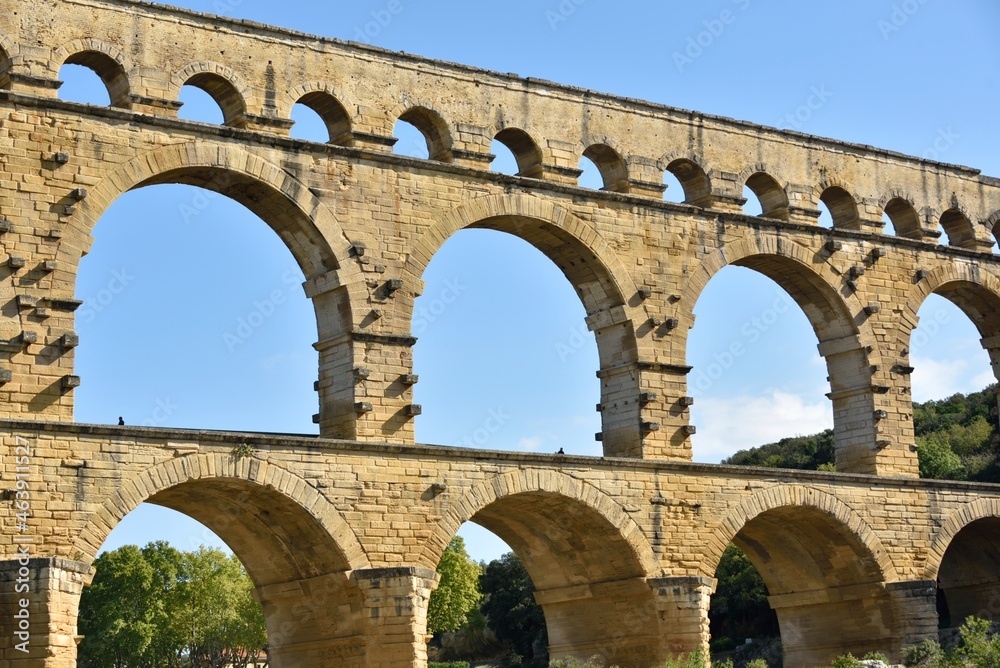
(964, 559)
(825, 570)
(974, 291)
(587, 558)
(297, 548)
(606, 289)
(837, 318)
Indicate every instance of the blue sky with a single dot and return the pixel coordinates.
(174, 271)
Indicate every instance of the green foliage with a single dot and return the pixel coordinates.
(692, 660)
(739, 606)
(846, 661)
(728, 663)
(448, 664)
(757, 663)
(977, 649)
(800, 452)
(957, 439)
(510, 607)
(458, 590)
(157, 607)
(242, 450)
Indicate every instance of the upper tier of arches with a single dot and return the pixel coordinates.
(924, 200)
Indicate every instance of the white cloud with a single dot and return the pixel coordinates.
(939, 379)
(726, 425)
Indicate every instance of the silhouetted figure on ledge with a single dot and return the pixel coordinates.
(560, 452)
(121, 422)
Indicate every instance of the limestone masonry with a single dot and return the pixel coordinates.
(341, 534)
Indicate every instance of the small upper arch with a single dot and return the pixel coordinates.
(433, 127)
(526, 150)
(108, 62)
(992, 224)
(841, 203)
(691, 174)
(767, 189)
(222, 84)
(610, 164)
(8, 52)
(902, 212)
(324, 100)
(957, 225)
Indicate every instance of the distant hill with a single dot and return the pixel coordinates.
(957, 439)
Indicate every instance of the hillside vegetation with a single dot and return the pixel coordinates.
(957, 439)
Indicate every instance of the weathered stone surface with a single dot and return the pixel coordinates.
(341, 537)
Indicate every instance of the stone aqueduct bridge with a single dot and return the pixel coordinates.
(341, 533)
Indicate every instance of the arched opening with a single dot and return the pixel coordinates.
(610, 165)
(235, 317)
(823, 582)
(431, 127)
(903, 218)
(525, 152)
(745, 323)
(969, 576)
(739, 614)
(769, 195)
(674, 191)
(283, 547)
(688, 181)
(484, 289)
(110, 72)
(954, 416)
(588, 578)
(5, 67)
(957, 227)
(842, 207)
(326, 112)
(221, 91)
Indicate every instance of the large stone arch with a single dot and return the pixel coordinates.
(837, 316)
(297, 548)
(308, 228)
(524, 215)
(825, 570)
(589, 561)
(609, 295)
(796, 496)
(971, 288)
(548, 481)
(265, 478)
(964, 560)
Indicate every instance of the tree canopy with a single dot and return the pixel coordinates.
(157, 607)
(458, 589)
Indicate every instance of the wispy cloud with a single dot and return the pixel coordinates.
(728, 424)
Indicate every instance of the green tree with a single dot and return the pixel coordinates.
(220, 622)
(509, 605)
(157, 607)
(458, 589)
(739, 606)
(123, 613)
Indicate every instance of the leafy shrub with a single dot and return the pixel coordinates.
(846, 661)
